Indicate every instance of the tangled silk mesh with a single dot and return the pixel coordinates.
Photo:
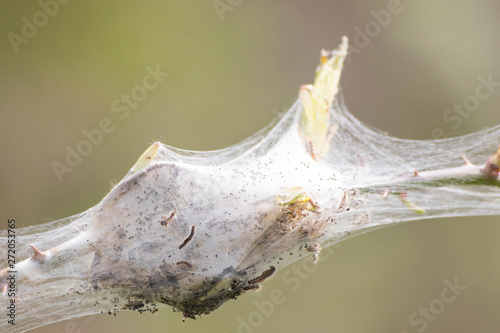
(127, 252)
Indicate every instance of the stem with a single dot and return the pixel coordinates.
(193, 230)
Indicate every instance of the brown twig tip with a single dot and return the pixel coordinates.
(492, 167)
(38, 255)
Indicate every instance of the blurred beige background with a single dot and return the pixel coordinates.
(229, 78)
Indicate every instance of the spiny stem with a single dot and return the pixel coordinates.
(194, 230)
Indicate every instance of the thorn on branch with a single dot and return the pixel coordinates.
(466, 160)
(409, 174)
(38, 255)
(344, 203)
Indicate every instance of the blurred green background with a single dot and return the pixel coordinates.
(231, 73)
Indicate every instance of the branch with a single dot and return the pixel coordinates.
(193, 230)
